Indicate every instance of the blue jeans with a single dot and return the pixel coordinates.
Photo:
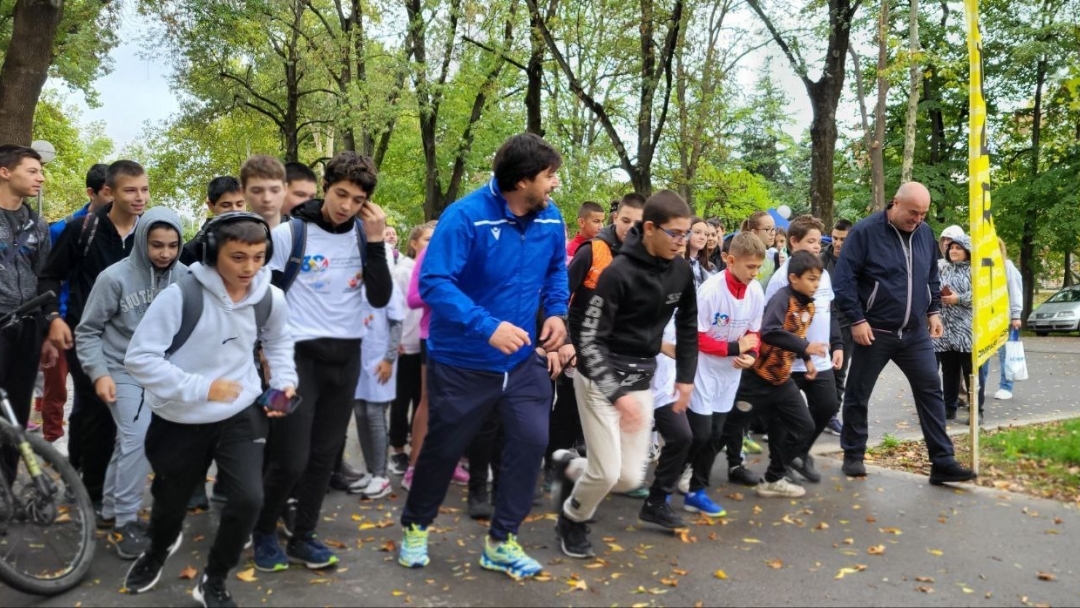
(984, 371)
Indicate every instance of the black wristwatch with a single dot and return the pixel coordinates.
(52, 316)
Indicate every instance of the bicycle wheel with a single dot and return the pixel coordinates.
(46, 527)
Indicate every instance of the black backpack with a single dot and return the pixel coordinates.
(193, 310)
(298, 227)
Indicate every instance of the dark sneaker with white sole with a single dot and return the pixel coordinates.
(661, 514)
(130, 540)
(573, 538)
(211, 593)
(742, 475)
(950, 473)
(146, 571)
(804, 466)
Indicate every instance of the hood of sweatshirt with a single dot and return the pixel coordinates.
(634, 247)
(121, 295)
(311, 211)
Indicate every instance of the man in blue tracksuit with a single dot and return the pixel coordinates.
(496, 255)
(887, 285)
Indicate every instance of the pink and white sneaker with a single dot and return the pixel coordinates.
(461, 475)
(406, 480)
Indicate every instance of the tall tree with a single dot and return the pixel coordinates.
(914, 79)
(824, 94)
(26, 66)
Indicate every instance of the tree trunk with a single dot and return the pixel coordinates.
(26, 66)
(1068, 280)
(915, 76)
(822, 151)
(535, 74)
(1027, 238)
(877, 147)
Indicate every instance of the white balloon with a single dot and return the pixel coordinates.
(784, 211)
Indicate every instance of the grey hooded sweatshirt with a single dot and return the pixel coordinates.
(121, 295)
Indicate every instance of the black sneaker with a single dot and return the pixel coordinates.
(573, 538)
(211, 592)
(480, 505)
(399, 463)
(339, 482)
(130, 540)
(950, 473)
(199, 501)
(853, 468)
(288, 518)
(743, 475)
(561, 487)
(104, 523)
(804, 465)
(145, 572)
(661, 514)
(950, 414)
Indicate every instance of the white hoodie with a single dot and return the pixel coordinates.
(220, 346)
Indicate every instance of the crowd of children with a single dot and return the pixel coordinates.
(252, 346)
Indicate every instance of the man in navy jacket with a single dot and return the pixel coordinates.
(887, 285)
(496, 255)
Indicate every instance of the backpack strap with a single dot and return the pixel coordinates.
(361, 241)
(87, 232)
(298, 228)
(263, 308)
(192, 311)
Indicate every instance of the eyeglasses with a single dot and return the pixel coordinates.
(675, 236)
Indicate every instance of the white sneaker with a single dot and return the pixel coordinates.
(1003, 394)
(779, 489)
(654, 453)
(358, 486)
(684, 481)
(378, 488)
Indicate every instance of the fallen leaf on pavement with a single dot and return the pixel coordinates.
(822, 526)
(752, 541)
(937, 552)
(543, 577)
(337, 544)
(188, 573)
(876, 550)
(397, 593)
(849, 541)
(615, 548)
(669, 582)
(684, 536)
(895, 531)
(924, 579)
(388, 546)
(248, 576)
(1046, 576)
(720, 574)
(736, 496)
(679, 571)
(925, 589)
(578, 584)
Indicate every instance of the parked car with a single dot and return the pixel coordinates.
(1060, 313)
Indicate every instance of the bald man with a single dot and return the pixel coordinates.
(887, 284)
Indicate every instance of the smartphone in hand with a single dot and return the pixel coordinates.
(278, 401)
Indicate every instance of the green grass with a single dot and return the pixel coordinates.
(890, 441)
(1059, 444)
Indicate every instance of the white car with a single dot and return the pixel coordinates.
(1060, 313)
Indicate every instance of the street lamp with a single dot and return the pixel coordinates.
(47, 152)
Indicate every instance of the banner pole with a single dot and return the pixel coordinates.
(973, 412)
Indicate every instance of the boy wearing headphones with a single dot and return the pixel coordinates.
(202, 396)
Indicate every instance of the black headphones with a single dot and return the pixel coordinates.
(208, 241)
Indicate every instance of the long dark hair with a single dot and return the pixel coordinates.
(703, 255)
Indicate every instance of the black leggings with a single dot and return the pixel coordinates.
(408, 398)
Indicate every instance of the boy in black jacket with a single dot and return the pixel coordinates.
(637, 294)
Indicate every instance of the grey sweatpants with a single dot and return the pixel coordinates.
(125, 478)
(371, 428)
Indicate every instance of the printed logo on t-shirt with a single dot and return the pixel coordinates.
(721, 319)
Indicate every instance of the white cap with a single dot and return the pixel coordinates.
(952, 232)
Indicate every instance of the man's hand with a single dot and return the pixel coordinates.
(811, 371)
(567, 352)
(630, 417)
(862, 334)
(60, 334)
(683, 402)
(936, 328)
(49, 355)
(225, 391)
(105, 389)
(838, 359)
(820, 349)
(553, 334)
(952, 299)
(554, 363)
(383, 371)
(748, 343)
(290, 392)
(508, 338)
(1017, 323)
(374, 219)
(743, 362)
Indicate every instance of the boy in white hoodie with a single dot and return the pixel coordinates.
(203, 397)
(121, 296)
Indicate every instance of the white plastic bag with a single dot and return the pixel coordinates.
(1015, 361)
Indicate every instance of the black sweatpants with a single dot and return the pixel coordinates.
(178, 454)
(708, 438)
(785, 414)
(20, 351)
(408, 398)
(675, 429)
(840, 375)
(564, 422)
(821, 401)
(92, 430)
(956, 367)
(485, 451)
(303, 447)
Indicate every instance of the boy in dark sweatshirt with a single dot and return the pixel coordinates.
(768, 385)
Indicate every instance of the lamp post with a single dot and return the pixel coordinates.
(48, 153)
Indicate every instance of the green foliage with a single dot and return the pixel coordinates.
(78, 146)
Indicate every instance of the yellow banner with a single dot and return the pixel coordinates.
(990, 296)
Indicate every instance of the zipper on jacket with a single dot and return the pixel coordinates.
(907, 260)
(873, 296)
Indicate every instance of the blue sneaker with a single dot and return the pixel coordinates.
(307, 550)
(413, 552)
(268, 554)
(699, 502)
(509, 557)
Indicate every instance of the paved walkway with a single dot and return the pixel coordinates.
(890, 539)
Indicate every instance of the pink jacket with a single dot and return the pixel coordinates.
(413, 297)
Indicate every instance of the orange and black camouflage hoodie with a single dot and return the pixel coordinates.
(783, 334)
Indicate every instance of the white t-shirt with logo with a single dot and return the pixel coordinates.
(820, 329)
(663, 382)
(326, 299)
(726, 319)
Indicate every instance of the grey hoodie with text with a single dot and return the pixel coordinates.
(121, 295)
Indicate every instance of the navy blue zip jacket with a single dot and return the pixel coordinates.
(882, 280)
(485, 265)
